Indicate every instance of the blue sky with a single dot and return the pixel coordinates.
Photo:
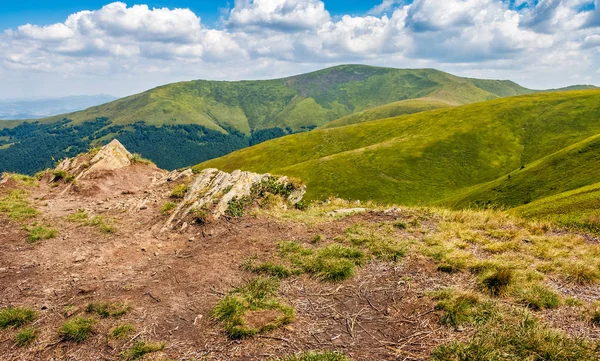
(55, 48)
(44, 12)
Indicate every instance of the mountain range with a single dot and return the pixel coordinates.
(41, 108)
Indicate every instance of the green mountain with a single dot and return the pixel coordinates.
(439, 155)
(186, 123)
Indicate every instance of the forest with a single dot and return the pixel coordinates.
(31, 147)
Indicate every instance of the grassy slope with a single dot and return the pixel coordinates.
(568, 169)
(578, 208)
(306, 100)
(395, 109)
(426, 157)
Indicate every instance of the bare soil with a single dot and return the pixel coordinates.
(173, 279)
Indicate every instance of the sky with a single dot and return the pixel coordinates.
(58, 48)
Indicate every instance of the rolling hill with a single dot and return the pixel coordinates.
(186, 123)
(429, 157)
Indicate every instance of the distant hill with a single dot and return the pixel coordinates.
(429, 157)
(185, 123)
(41, 108)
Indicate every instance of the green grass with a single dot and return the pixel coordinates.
(21, 179)
(253, 308)
(315, 356)
(16, 205)
(99, 222)
(334, 262)
(268, 268)
(179, 191)
(463, 308)
(578, 209)
(77, 329)
(26, 336)
(167, 208)
(138, 159)
(108, 309)
(539, 297)
(37, 233)
(391, 110)
(122, 331)
(141, 348)
(427, 157)
(515, 335)
(562, 171)
(306, 100)
(16, 316)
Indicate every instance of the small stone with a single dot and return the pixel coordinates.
(192, 239)
(79, 258)
(155, 254)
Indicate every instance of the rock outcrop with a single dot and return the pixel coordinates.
(212, 190)
(110, 157)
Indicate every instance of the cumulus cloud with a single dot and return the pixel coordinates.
(536, 41)
(285, 15)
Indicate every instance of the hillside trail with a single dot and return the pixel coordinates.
(172, 270)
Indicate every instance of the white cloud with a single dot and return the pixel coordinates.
(284, 15)
(545, 43)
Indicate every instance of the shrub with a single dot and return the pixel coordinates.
(107, 309)
(141, 348)
(78, 329)
(179, 191)
(121, 331)
(237, 206)
(26, 336)
(16, 316)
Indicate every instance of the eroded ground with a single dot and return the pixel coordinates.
(172, 280)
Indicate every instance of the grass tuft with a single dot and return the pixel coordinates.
(16, 316)
(539, 297)
(122, 331)
(315, 356)
(107, 309)
(26, 336)
(138, 159)
(167, 208)
(268, 268)
(140, 349)
(179, 191)
(496, 282)
(16, 206)
(253, 308)
(37, 233)
(461, 308)
(78, 329)
(331, 263)
(98, 222)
